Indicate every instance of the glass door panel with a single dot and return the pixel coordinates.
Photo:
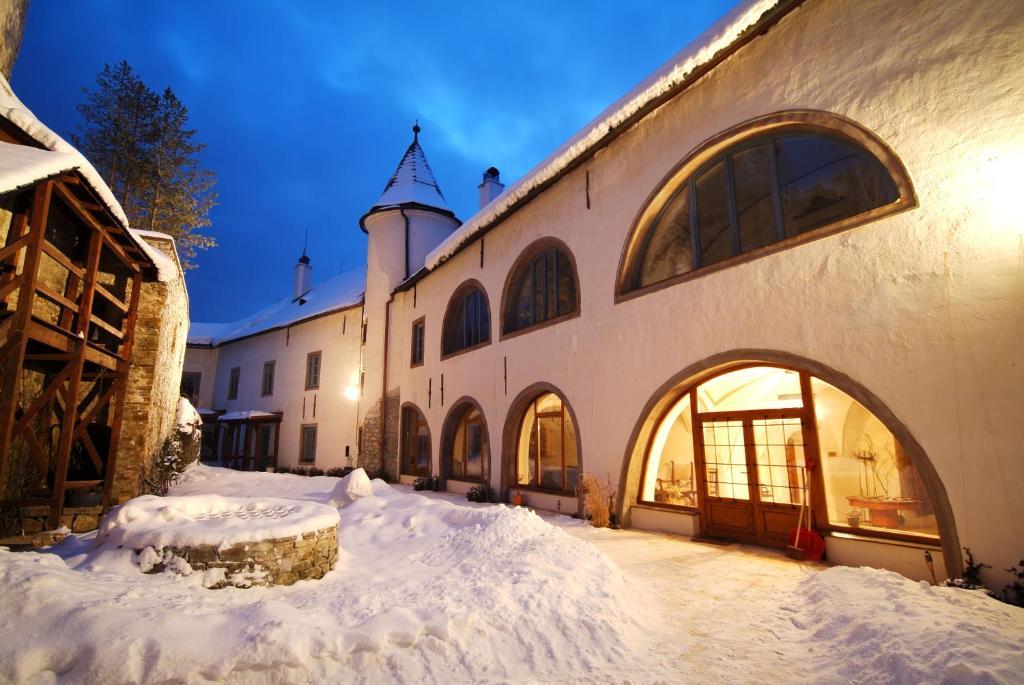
(779, 453)
(725, 460)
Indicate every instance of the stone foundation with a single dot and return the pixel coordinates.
(269, 562)
(75, 519)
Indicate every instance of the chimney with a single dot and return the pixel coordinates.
(303, 278)
(491, 187)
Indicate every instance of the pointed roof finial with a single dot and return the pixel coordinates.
(413, 182)
(416, 131)
(305, 240)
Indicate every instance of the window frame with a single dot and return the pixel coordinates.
(459, 295)
(303, 428)
(456, 417)
(721, 146)
(198, 375)
(234, 380)
(525, 260)
(419, 327)
(318, 354)
(264, 391)
(411, 410)
(563, 414)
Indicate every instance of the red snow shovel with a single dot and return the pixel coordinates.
(804, 543)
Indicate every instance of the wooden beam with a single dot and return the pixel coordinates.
(45, 396)
(110, 297)
(10, 383)
(116, 332)
(10, 286)
(96, 408)
(103, 230)
(90, 447)
(19, 228)
(123, 370)
(37, 450)
(12, 248)
(92, 266)
(56, 298)
(54, 253)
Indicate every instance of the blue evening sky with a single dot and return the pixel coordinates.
(306, 105)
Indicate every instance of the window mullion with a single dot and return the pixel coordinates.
(780, 229)
(691, 189)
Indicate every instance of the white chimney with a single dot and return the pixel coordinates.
(491, 187)
(303, 277)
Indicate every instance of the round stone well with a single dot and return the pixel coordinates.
(255, 540)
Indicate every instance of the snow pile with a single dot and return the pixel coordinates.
(892, 630)
(21, 165)
(695, 55)
(209, 520)
(247, 414)
(426, 591)
(187, 419)
(350, 488)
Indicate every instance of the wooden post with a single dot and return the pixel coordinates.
(67, 428)
(118, 401)
(10, 384)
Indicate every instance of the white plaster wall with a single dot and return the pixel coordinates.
(339, 368)
(203, 360)
(922, 308)
(426, 231)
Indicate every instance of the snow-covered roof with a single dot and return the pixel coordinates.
(413, 182)
(22, 166)
(15, 111)
(341, 291)
(665, 80)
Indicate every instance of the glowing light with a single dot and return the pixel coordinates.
(352, 392)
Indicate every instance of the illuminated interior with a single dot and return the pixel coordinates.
(547, 456)
(754, 424)
(469, 452)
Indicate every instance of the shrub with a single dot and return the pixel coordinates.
(314, 471)
(300, 471)
(481, 493)
(283, 469)
(337, 472)
(1014, 592)
(427, 483)
(595, 499)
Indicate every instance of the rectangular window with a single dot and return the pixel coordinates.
(418, 328)
(307, 448)
(190, 386)
(267, 387)
(233, 384)
(312, 370)
(363, 333)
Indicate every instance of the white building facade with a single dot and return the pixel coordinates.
(780, 282)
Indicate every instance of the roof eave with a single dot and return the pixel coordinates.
(378, 209)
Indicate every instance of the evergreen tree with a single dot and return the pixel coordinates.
(142, 144)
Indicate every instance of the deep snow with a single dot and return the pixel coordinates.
(430, 589)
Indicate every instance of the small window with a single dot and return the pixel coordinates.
(363, 333)
(415, 443)
(468, 320)
(190, 386)
(418, 328)
(267, 386)
(307, 448)
(313, 370)
(761, 191)
(542, 289)
(233, 383)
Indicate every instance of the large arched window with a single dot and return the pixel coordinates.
(466, 448)
(467, 323)
(541, 287)
(415, 442)
(786, 179)
(547, 454)
(748, 447)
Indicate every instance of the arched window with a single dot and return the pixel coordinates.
(749, 446)
(547, 455)
(466, 449)
(541, 287)
(415, 442)
(467, 323)
(793, 180)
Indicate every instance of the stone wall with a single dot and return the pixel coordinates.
(154, 379)
(12, 25)
(381, 460)
(283, 561)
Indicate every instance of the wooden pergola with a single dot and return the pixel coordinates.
(70, 283)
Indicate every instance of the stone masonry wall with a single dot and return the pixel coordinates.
(153, 381)
(381, 459)
(283, 561)
(12, 25)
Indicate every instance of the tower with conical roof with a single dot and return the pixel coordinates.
(410, 219)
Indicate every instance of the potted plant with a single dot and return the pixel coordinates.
(517, 498)
(853, 518)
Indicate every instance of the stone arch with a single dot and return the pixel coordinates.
(672, 389)
(513, 421)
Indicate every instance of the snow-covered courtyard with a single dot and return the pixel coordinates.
(432, 589)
